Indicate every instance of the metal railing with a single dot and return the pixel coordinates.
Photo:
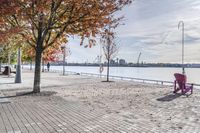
(162, 82)
(130, 79)
(143, 80)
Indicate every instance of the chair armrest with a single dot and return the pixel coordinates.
(189, 85)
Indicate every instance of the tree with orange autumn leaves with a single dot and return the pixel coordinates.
(6, 9)
(50, 54)
(45, 23)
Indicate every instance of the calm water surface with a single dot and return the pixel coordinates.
(155, 73)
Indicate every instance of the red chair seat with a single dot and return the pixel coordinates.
(181, 85)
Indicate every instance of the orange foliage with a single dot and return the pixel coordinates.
(52, 20)
(7, 7)
(45, 23)
(50, 54)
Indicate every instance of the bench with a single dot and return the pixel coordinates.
(7, 70)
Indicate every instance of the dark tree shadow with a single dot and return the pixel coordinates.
(108, 81)
(7, 83)
(18, 94)
(30, 93)
(169, 97)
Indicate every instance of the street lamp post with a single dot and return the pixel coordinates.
(182, 24)
(100, 60)
(9, 69)
(18, 78)
(0, 65)
(1, 49)
(31, 64)
(64, 56)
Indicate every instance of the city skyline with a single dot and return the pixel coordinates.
(152, 29)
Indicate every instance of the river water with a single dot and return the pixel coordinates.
(154, 73)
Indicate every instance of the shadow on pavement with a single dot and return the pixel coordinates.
(17, 95)
(30, 93)
(7, 83)
(169, 97)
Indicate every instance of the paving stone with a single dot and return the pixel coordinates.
(51, 114)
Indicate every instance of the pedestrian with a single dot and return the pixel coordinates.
(48, 66)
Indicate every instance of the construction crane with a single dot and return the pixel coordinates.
(138, 60)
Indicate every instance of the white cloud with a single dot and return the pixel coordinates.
(153, 24)
(151, 27)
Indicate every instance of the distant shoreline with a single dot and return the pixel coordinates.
(97, 65)
(126, 65)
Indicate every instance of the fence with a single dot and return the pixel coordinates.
(162, 82)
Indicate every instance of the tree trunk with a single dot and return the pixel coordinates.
(42, 65)
(9, 64)
(37, 76)
(39, 49)
(108, 65)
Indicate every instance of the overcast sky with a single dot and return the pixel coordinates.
(151, 27)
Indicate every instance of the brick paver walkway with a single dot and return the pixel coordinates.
(49, 114)
(159, 113)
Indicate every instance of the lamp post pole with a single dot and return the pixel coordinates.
(0, 65)
(9, 69)
(182, 23)
(1, 49)
(100, 60)
(18, 78)
(64, 56)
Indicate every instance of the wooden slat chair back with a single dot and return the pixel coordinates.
(180, 84)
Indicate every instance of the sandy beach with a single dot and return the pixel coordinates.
(147, 105)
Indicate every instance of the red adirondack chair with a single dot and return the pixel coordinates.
(180, 84)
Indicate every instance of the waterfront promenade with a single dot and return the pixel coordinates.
(80, 104)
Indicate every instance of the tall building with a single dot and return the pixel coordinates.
(122, 62)
(112, 62)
